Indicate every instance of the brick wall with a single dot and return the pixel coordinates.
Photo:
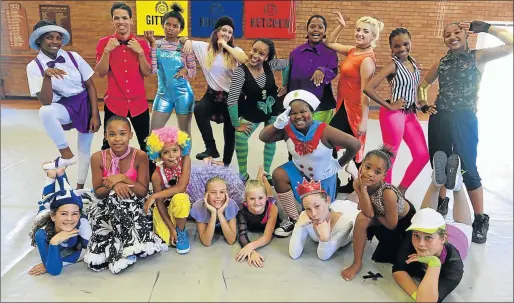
(90, 20)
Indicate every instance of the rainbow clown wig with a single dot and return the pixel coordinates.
(167, 134)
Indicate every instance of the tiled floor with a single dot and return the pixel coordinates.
(211, 274)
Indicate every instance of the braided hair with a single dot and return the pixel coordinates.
(385, 152)
(175, 12)
(396, 32)
(271, 47)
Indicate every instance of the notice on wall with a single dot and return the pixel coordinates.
(271, 19)
(58, 13)
(204, 15)
(149, 16)
(16, 18)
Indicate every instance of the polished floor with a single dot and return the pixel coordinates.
(212, 274)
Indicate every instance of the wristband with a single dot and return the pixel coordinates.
(432, 261)
(414, 295)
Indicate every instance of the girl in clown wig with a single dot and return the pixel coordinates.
(170, 148)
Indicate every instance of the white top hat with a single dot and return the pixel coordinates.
(302, 95)
(427, 220)
(46, 29)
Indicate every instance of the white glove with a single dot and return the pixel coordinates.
(333, 169)
(282, 119)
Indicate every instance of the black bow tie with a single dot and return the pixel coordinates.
(123, 42)
(51, 64)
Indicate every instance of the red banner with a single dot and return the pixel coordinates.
(270, 19)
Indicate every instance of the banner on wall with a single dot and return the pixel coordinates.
(270, 19)
(149, 16)
(205, 13)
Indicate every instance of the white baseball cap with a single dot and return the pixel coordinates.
(427, 220)
(303, 95)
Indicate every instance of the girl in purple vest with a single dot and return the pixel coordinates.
(62, 82)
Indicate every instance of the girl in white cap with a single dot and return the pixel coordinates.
(62, 81)
(433, 251)
(310, 143)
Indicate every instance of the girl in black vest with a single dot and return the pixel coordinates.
(252, 99)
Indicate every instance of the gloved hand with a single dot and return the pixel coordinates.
(282, 119)
(333, 169)
(479, 26)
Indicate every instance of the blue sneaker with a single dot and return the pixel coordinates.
(182, 241)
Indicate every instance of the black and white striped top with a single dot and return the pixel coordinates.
(405, 83)
(238, 79)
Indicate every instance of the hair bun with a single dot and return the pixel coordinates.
(177, 8)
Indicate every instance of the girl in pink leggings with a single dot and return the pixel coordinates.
(397, 116)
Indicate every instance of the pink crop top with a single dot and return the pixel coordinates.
(131, 172)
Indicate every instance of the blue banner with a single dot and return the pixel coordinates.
(205, 13)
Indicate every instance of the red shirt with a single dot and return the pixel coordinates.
(125, 84)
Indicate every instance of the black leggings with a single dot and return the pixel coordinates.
(456, 132)
(206, 110)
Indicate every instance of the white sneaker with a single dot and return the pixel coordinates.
(453, 172)
(59, 162)
(439, 172)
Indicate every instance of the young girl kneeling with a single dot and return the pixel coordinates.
(259, 214)
(121, 231)
(170, 180)
(385, 213)
(328, 223)
(216, 209)
(60, 233)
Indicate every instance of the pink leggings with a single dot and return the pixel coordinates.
(395, 126)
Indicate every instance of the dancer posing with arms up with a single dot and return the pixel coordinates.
(60, 232)
(310, 143)
(174, 68)
(253, 100)
(218, 59)
(121, 231)
(454, 129)
(385, 213)
(62, 81)
(397, 116)
(356, 70)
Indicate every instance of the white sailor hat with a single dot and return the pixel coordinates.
(302, 95)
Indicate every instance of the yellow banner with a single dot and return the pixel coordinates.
(149, 16)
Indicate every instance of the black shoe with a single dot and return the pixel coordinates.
(270, 181)
(442, 206)
(285, 229)
(346, 189)
(480, 228)
(208, 153)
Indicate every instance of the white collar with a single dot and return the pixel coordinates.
(44, 58)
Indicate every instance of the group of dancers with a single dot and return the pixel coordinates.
(125, 220)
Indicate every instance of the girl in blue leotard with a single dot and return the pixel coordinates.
(60, 232)
(174, 68)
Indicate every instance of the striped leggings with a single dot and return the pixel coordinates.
(242, 148)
